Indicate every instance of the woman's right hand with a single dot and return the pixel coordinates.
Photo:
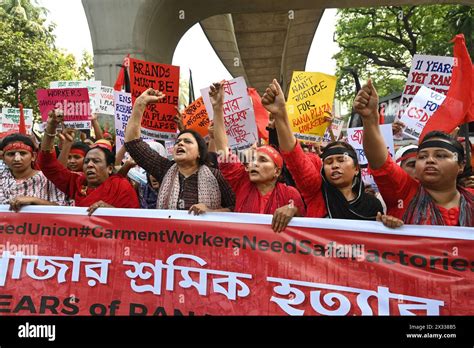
(149, 96)
(55, 117)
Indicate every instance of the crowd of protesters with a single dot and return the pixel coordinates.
(423, 185)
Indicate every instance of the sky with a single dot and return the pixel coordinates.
(72, 34)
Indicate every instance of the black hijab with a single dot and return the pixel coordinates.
(364, 206)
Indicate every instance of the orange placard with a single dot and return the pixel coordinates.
(196, 118)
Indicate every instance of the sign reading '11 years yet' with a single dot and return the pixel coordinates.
(157, 121)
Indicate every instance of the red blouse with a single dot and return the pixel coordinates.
(116, 190)
(398, 189)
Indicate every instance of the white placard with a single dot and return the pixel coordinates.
(433, 72)
(123, 110)
(10, 120)
(355, 137)
(239, 116)
(337, 125)
(421, 108)
(106, 102)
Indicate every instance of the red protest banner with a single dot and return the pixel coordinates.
(157, 119)
(74, 102)
(59, 261)
(195, 117)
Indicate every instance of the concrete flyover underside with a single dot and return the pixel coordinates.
(257, 39)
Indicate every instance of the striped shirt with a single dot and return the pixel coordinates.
(36, 186)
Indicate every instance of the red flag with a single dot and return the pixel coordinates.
(261, 114)
(121, 76)
(456, 109)
(470, 112)
(22, 125)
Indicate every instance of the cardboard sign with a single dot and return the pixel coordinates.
(157, 121)
(93, 88)
(10, 119)
(106, 102)
(196, 118)
(239, 115)
(355, 137)
(336, 126)
(310, 100)
(74, 102)
(123, 111)
(433, 72)
(421, 108)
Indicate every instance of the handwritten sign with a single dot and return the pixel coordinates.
(93, 88)
(421, 108)
(239, 116)
(310, 100)
(336, 126)
(355, 137)
(433, 72)
(10, 119)
(74, 102)
(157, 121)
(196, 118)
(123, 110)
(368, 179)
(106, 102)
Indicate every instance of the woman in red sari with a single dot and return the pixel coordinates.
(96, 186)
(257, 189)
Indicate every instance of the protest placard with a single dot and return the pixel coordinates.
(239, 115)
(421, 108)
(74, 102)
(336, 126)
(433, 72)
(158, 118)
(93, 88)
(10, 119)
(106, 102)
(123, 110)
(195, 117)
(355, 137)
(310, 100)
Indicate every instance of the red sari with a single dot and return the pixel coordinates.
(248, 198)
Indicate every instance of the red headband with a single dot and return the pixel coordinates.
(78, 152)
(17, 146)
(403, 158)
(274, 154)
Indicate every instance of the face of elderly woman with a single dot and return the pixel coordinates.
(262, 169)
(186, 149)
(96, 168)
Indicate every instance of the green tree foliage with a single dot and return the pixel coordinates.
(380, 42)
(29, 58)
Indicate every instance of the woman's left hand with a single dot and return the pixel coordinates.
(199, 208)
(389, 220)
(282, 217)
(99, 204)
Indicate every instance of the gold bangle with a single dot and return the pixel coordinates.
(50, 134)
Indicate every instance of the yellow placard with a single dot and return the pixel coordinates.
(310, 99)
